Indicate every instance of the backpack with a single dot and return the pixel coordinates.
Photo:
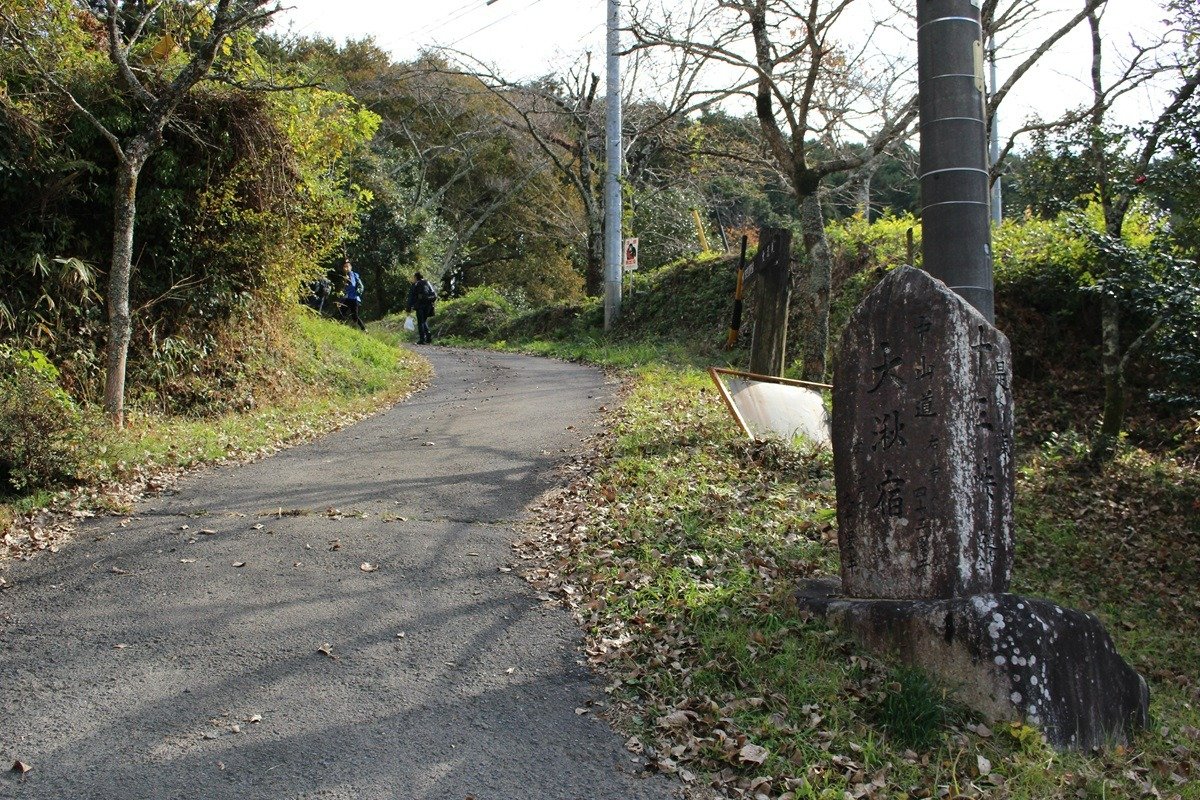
(426, 292)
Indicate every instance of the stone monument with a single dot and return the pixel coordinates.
(923, 457)
(924, 477)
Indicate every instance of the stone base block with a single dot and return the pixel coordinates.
(1007, 656)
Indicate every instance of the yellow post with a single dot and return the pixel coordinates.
(700, 229)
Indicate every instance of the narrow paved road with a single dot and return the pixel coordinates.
(149, 661)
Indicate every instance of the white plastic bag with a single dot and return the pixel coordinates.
(409, 325)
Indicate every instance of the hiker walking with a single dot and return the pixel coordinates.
(421, 297)
(352, 294)
(319, 291)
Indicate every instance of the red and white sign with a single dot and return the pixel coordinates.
(631, 254)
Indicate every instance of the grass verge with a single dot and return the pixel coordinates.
(323, 376)
(678, 548)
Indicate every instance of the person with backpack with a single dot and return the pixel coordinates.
(352, 294)
(421, 297)
(319, 294)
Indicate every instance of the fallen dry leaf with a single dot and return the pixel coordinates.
(21, 767)
(676, 719)
(367, 566)
(753, 754)
(254, 718)
(327, 649)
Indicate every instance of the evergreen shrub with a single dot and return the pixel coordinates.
(45, 440)
(481, 313)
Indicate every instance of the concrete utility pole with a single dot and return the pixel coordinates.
(956, 225)
(994, 143)
(612, 175)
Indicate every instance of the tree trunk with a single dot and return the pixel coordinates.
(594, 270)
(815, 327)
(862, 193)
(1114, 379)
(380, 307)
(124, 216)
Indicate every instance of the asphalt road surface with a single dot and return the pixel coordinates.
(146, 660)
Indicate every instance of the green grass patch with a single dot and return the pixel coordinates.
(335, 373)
(914, 710)
(323, 375)
(686, 543)
(675, 315)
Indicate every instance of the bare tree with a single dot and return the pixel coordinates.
(472, 157)
(153, 99)
(1014, 27)
(565, 118)
(565, 122)
(1017, 29)
(813, 95)
(1176, 56)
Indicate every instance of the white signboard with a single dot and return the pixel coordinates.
(769, 407)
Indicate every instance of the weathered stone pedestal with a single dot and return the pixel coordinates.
(923, 446)
(1008, 657)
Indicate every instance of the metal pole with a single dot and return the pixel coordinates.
(736, 324)
(612, 175)
(997, 196)
(956, 224)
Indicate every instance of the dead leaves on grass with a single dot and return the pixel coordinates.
(602, 545)
(586, 552)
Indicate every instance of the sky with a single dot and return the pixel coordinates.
(531, 38)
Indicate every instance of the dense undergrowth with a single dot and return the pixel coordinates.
(679, 312)
(296, 380)
(679, 545)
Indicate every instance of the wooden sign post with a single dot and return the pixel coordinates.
(772, 268)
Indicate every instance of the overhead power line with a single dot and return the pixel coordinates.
(451, 16)
(494, 22)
